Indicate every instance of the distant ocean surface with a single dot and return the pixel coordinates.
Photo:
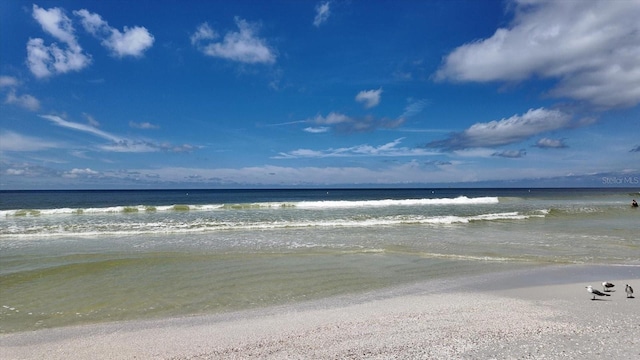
(74, 257)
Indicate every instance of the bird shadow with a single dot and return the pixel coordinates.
(600, 300)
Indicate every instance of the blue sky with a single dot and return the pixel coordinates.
(235, 94)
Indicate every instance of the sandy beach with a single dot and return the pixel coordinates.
(540, 313)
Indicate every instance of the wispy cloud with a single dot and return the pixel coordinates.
(414, 107)
(317, 129)
(370, 98)
(331, 119)
(143, 125)
(241, 46)
(74, 173)
(511, 154)
(505, 131)
(46, 60)
(91, 120)
(118, 143)
(595, 58)
(203, 32)
(57, 120)
(8, 81)
(344, 124)
(384, 150)
(323, 12)
(12, 141)
(132, 41)
(26, 101)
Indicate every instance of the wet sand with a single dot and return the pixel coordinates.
(536, 313)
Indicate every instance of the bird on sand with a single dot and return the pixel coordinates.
(606, 286)
(595, 292)
(629, 291)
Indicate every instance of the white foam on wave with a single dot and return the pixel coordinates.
(307, 205)
(202, 225)
(461, 200)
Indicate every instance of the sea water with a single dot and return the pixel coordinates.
(76, 257)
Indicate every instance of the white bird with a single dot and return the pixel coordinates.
(606, 286)
(595, 292)
(629, 291)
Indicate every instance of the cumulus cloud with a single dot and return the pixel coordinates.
(591, 47)
(241, 46)
(322, 13)
(132, 41)
(546, 143)
(505, 131)
(46, 60)
(370, 98)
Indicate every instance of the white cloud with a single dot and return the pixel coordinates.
(384, 150)
(48, 60)
(12, 141)
(81, 127)
(132, 41)
(8, 81)
(55, 22)
(143, 125)
(369, 98)
(550, 143)
(117, 143)
(345, 124)
(591, 47)
(91, 120)
(204, 32)
(74, 173)
(242, 46)
(322, 13)
(511, 154)
(414, 107)
(331, 119)
(506, 131)
(26, 101)
(317, 130)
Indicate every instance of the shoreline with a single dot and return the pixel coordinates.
(521, 314)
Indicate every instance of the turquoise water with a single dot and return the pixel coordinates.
(93, 256)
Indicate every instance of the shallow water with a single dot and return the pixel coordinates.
(84, 257)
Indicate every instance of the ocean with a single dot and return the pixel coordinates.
(82, 257)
